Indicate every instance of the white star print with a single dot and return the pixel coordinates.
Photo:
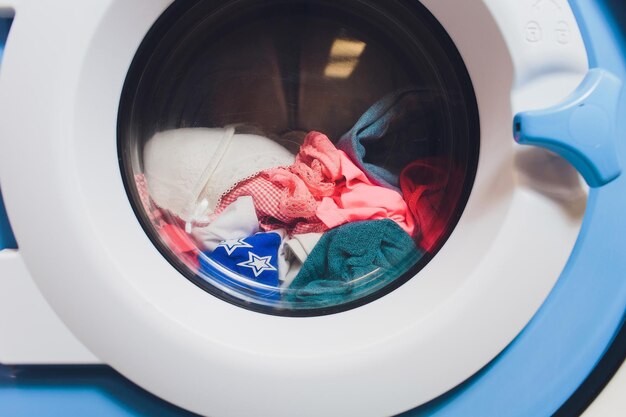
(231, 246)
(258, 264)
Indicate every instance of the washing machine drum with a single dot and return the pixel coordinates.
(298, 158)
(306, 207)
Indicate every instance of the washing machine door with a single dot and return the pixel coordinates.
(81, 105)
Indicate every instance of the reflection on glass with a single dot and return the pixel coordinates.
(344, 57)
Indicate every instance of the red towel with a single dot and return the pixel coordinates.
(431, 188)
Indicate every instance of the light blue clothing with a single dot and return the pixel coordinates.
(387, 132)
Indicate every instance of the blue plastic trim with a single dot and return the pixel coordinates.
(560, 347)
(7, 238)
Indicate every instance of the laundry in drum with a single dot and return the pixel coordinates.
(254, 259)
(295, 251)
(237, 221)
(351, 260)
(431, 187)
(188, 170)
(169, 232)
(375, 142)
(322, 189)
(324, 227)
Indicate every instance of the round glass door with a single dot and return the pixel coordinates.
(298, 157)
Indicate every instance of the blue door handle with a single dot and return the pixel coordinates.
(582, 129)
(585, 127)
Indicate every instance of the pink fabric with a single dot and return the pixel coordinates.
(174, 237)
(152, 211)
(271, 208)
(346, 193)
(318, 164)
(177, 239)
(321, 190)
(295, 199)
(181, 244)
(309, 179)
(432, 192)
(356, 198)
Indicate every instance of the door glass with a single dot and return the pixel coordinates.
(298, 157)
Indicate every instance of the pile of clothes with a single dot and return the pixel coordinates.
(319, 228)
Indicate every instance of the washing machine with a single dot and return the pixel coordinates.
(457, 167)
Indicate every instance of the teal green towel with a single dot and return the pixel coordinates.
(352, 260)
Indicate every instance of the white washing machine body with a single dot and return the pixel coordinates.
(87, 286)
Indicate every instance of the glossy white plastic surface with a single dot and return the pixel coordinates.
(30, 331)
(128, 305)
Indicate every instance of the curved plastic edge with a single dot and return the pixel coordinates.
(568, 337)
(95, 391)
(7, 238)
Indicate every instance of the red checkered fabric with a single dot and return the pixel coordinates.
(267, 198)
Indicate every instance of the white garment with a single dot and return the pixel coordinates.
(188, 170)
(284, 264)
(237, 221)
(295, 251)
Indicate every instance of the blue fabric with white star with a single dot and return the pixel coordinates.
(254, 258)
